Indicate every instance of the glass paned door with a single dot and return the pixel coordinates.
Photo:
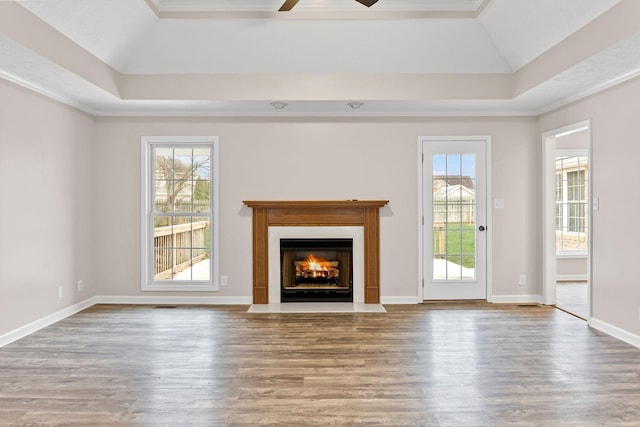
(454, 228)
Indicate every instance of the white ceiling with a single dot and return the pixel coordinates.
(314, 5)
(248, 38)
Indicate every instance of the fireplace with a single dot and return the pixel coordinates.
(272, 219)
(316, 234)
(316, 270)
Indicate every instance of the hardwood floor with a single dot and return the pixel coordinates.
(573, 297)
(441, 364)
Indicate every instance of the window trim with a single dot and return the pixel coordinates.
(573, 255)
(146, 225)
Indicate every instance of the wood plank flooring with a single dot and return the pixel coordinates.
(441, 364)
(573, 297)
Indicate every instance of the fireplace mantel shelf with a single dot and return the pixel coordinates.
(319, 213)
(318, 204)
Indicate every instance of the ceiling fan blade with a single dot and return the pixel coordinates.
(367, 3)
(288, 5)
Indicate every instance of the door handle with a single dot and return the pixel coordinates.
(482, 228)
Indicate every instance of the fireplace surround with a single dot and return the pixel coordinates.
(346, 213)
(277, 234)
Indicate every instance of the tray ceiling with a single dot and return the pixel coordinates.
(400, 57)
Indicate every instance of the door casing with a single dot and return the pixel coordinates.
(548, 212)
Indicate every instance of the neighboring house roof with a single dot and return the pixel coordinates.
(442, 180)
(454, 192)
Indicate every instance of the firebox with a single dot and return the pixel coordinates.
(316, 270)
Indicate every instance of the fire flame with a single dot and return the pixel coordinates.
(316, 266)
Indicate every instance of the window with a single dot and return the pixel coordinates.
(180, 213)
(571, 203)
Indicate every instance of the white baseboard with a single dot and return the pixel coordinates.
(497, 299)
(572, 278)
(36, 325)
(615, 332)
(45, 321)
(400, 300)
(173, 300)
(515, 299)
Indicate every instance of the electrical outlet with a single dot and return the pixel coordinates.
(80, 285)
(59, 291)
(523, 280)
(224, 281)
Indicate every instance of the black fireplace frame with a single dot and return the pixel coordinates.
(310, 245)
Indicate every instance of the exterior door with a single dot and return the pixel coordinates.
(455, 228)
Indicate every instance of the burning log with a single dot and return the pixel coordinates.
(317, 271)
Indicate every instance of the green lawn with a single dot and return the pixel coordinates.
(460, 244)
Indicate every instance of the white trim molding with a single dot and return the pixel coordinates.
(172, 300)
(52, 318)
(572, 277)
(615, 332)
(276, 233)
(516, 299)
(400, 300)
(45, 321)
(572, 255)
(549, 256)
(147, 212)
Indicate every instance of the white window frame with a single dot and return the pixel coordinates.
(147, 205)
(566, 254)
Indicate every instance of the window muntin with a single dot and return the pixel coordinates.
(181, 224)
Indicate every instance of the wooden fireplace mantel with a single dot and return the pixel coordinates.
(365, 213)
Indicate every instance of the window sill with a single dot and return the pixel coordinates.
(571, 255)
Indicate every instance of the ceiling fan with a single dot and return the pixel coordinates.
(289, 4)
